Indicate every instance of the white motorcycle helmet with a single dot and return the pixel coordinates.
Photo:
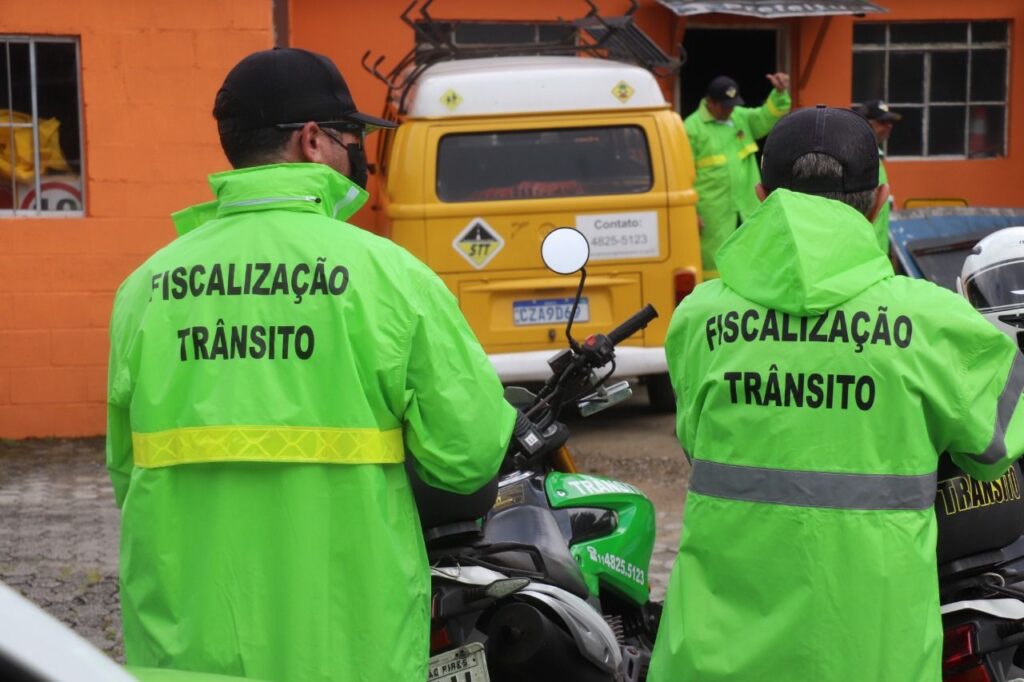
(992, 279)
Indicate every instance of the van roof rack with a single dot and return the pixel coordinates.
(438, 40)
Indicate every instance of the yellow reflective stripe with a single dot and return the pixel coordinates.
(267, 444)
(716, 160)
(748, 150)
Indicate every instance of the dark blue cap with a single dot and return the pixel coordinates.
(839, 133)
(287, 85)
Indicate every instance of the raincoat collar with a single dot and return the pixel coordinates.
(310, 187)
(802, 254)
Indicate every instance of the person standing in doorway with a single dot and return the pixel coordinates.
(881, 119)
(723, 136)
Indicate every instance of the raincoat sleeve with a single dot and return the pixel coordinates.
(119, 383)
(990, 436)
(762, 119)
(457, 421)
(677, 351)
(695, 131)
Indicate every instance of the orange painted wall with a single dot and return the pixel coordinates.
(150, 69)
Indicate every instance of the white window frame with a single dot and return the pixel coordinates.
(6, 129)
(927, 49)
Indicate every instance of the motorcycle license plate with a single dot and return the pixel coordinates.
(465, 664)
(548, 310)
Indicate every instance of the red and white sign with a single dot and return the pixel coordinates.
(57, 195)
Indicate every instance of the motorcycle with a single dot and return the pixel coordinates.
(981, 575)
(552, 584)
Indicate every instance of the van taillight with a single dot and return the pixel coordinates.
(685, 281)
(959, 662)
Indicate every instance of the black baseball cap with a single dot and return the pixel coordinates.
(724, 90)
(839, 133)
(877, 110)
(287, 86)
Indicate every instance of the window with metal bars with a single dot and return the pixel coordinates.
(41, 156)
(948, 80)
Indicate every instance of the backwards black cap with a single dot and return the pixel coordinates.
(287, 85)
(724, 90)
(839, 133)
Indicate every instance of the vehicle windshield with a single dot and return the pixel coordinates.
(1001, 286)
(539, 164)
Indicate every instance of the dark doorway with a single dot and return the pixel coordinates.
(745, 55)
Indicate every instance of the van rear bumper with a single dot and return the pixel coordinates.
(533, 365)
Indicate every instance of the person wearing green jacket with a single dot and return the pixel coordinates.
(723, 136)
(270, 370)
(816, 390)
(881, 120)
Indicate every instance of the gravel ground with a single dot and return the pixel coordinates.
(59, 524)
(58, 534)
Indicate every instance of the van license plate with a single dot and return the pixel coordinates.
(548, 311)
(465, 664)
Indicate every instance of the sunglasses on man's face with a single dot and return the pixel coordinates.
(338, 126)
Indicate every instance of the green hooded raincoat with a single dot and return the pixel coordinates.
(881, 223)
(724, 154)
(269, 371)
(815, 392)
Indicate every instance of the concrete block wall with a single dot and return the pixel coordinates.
(149, 73)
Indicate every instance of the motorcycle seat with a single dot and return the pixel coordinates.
(440, 508)
(533, 525)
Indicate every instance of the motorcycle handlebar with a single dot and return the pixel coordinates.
(634, 324)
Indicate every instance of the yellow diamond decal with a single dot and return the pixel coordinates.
(623, 91)
(478, 243)
(451, 99)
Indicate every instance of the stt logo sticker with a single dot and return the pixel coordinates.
(478, 243)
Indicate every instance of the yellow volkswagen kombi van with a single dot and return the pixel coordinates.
(494, 153)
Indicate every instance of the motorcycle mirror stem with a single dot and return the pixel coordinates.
(572, 315)
(565, 250)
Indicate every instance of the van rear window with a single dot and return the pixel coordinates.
(540, 164)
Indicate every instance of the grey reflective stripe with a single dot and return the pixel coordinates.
(813, 488)
(1008, 400)
(267, 200)
(345, 201)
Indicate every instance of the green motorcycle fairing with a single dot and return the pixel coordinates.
(620, 559)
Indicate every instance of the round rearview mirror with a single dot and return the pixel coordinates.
(565, 250)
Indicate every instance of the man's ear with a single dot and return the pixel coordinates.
(881, 196)
(760, 191)
(312, 143)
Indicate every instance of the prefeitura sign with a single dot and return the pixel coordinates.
(772, 9)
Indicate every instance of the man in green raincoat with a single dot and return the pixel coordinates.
(881, 120)
(269, 372)
(815, 393)
(723, 136)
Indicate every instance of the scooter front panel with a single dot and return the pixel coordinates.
(620, 558)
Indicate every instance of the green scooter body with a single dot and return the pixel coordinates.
(614, 552)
